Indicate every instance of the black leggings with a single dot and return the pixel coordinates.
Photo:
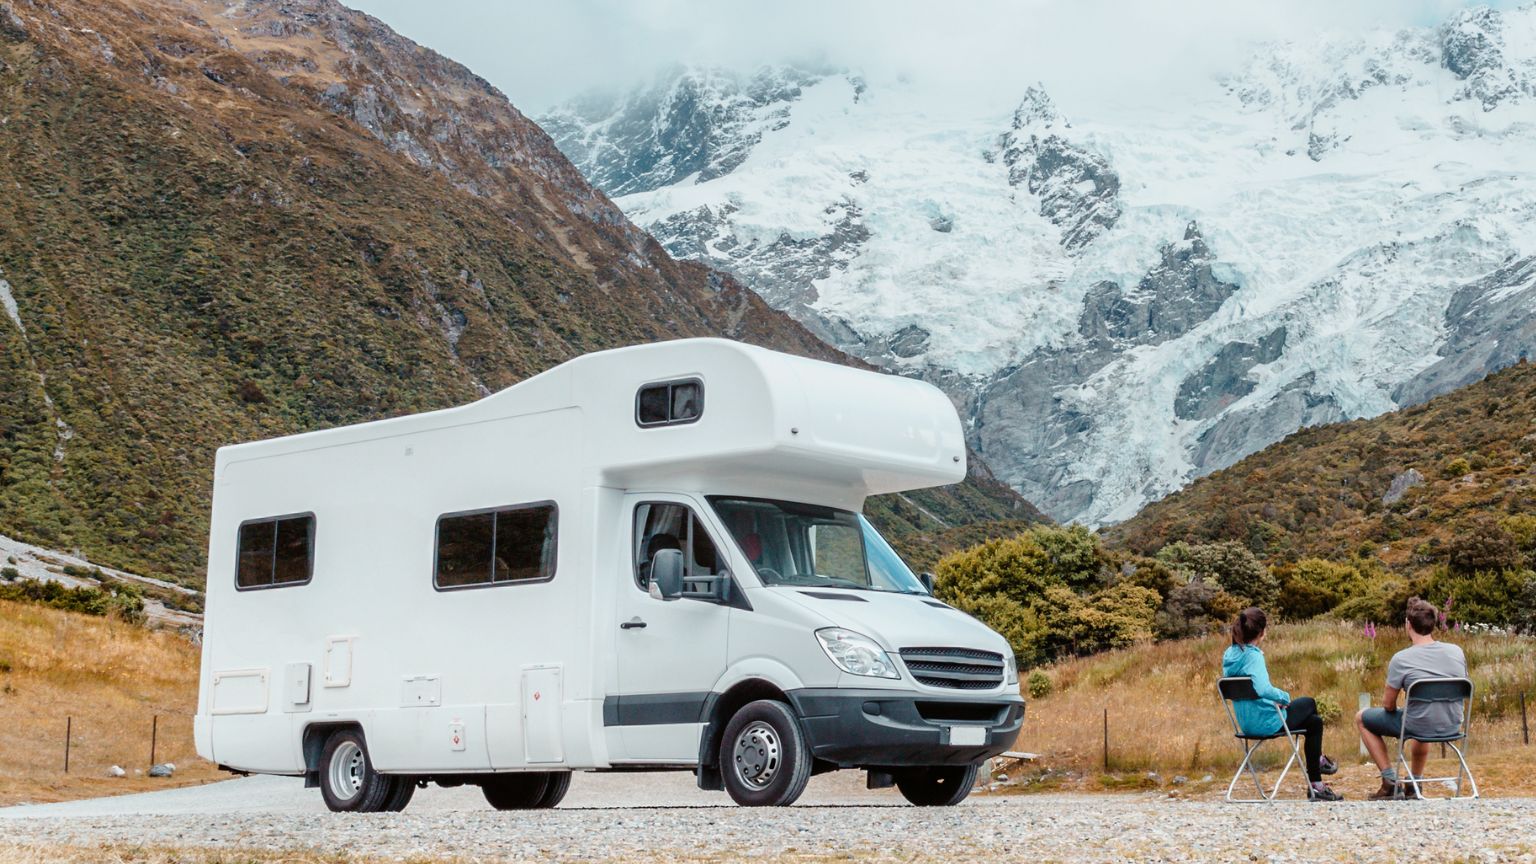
(1301, 716)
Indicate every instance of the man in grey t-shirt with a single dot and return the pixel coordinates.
(1425, 658)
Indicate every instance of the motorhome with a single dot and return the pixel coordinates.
(650, 558)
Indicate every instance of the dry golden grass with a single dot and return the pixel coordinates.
(1165, 716)
(116, 853)
(112, 678)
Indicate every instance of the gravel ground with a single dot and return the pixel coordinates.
(657, 817)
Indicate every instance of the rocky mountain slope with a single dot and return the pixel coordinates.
(1404, 487)
(1122, 298)
(230, 220)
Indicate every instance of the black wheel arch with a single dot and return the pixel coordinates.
(719, 708)
(313, 743)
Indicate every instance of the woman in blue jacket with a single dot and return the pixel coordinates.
(1245, 657)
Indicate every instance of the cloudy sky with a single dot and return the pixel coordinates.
(541, 52)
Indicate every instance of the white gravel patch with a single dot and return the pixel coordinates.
(658, 817)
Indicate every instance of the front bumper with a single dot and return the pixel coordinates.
(896, 728)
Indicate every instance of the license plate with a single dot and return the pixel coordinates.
(967, 736)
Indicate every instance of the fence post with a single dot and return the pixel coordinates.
(1106, 740)
(154, 734)
(1365, 702)
(1525, 726)
(69, 723)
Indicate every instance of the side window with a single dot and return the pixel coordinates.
(670, 403)
(496, 547)
(276, 552)
(661, 526)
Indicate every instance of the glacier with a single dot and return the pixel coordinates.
(1120, 298)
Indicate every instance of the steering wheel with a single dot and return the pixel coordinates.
(767, 573)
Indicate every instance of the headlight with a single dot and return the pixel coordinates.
(856, 654)
(1010, 668)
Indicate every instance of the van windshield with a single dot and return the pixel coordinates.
(813, 547)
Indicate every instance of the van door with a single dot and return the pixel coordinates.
(670, 652)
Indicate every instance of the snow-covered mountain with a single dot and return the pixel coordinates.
(1121, 298)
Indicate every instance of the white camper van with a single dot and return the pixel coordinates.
(650, 558)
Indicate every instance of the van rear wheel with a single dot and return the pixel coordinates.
(943, 786)
(522, 791)
(764, 760)
(347, 779)
(554, 793)
(401, 795)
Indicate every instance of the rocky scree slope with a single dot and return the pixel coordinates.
(1121, 298)
(230, 220)
(1405, 487)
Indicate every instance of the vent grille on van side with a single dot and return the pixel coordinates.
(954, 668)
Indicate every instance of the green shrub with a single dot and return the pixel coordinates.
(1481, 543)
(1038, 684)
(1312, 587)
(1229, 565)
(1456, 468)
(1484, 597)
(123, 601)
(1329, 709)
(10, 574)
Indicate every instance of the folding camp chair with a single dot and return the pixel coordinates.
(1437, 690)
(1240, 689)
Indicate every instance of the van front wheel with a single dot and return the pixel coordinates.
(943, 786)
(763, 757)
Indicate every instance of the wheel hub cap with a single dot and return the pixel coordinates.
(347, 765)
(758, 754)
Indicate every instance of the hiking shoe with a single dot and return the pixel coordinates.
(1324, 794)
(1327, 766)
(1387, 792)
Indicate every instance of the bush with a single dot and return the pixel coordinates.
(1073, 555)
(1481, 544)
(1329, 709)
(1484, 597)
(123, 601)
(1314, 587)
(1229, 565)
(1038, 684)
(1194, 610)
(10, 574)
(1456, 468)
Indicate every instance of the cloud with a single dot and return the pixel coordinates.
(541, 53)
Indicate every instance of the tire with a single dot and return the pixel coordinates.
(347, 779)
(554, 793)
(405, 789)
(764, 760)
(522, 791)
(943, 786)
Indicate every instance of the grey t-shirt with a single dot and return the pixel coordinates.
(1431, 660)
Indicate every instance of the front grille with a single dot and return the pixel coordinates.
(954, 668)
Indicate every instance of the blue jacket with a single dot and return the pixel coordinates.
(1255, 718)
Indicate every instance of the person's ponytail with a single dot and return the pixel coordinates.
(1249, 625)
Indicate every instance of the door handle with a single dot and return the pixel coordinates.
(632, 624)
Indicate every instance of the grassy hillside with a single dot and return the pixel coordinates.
(222, 224)
(1165, 717)
(112, 678)
(1464, 462)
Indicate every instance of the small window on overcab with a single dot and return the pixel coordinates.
(669, 403)
(662, 525)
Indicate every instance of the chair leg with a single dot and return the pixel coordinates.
(1295, 758)
(1405, 777)
(1464, 771)
(1247, 766)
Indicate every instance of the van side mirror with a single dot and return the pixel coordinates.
(927, 580)
(667, 574)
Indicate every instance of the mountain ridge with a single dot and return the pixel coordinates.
(1363, 207)
(234, 220)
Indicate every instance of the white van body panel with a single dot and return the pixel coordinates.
(539, 674)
